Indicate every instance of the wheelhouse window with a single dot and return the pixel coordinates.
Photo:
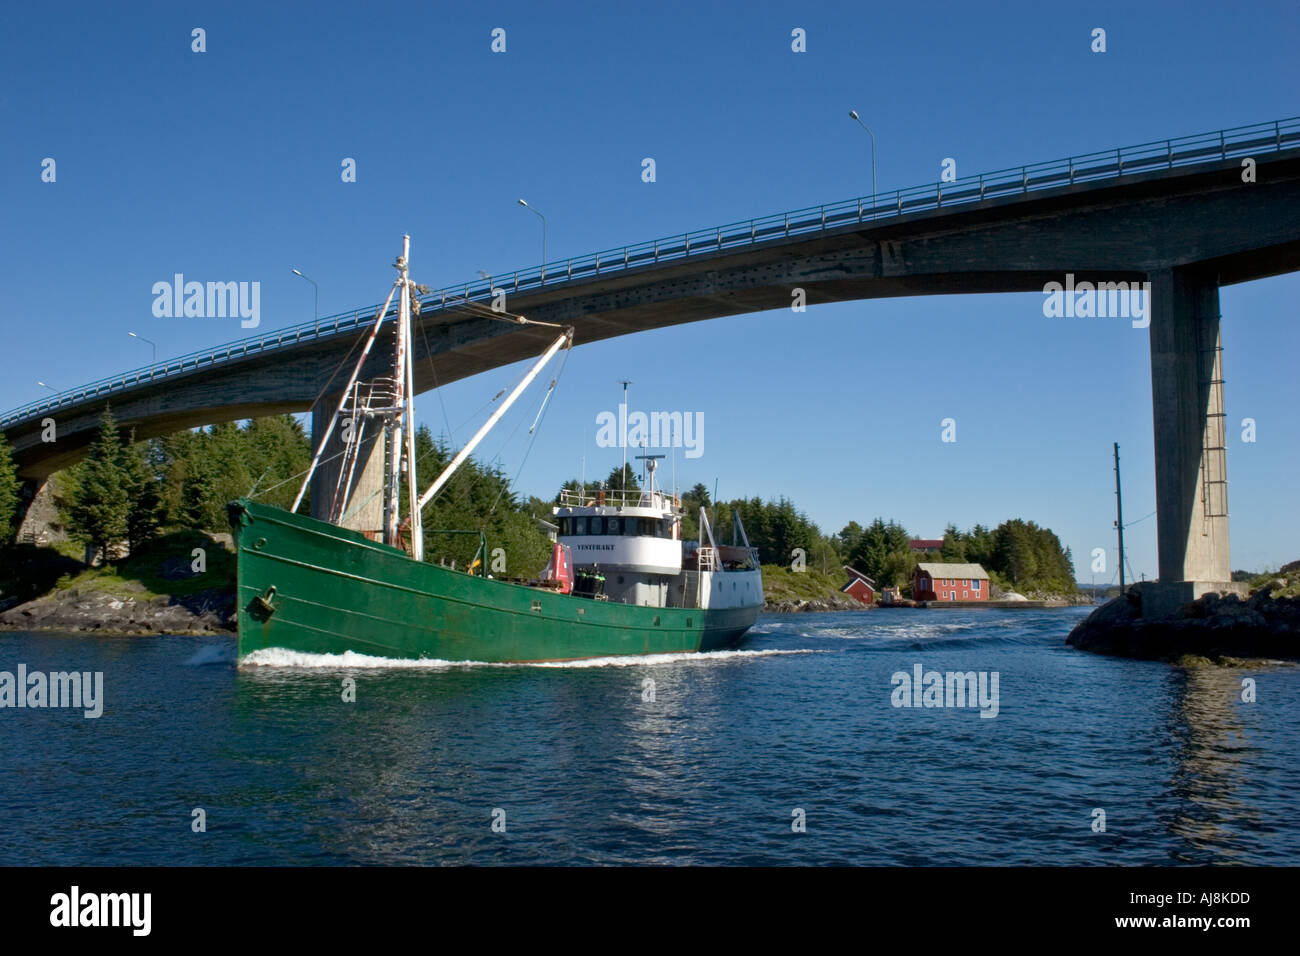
(611, 526)
(581, 524)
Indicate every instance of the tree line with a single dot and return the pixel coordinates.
(1016, 553)
(127, 492)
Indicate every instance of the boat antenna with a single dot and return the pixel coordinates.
(622, 438)
(673, 446)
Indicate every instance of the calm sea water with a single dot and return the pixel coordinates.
(583, 769)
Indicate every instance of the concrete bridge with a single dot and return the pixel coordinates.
(1188, 215)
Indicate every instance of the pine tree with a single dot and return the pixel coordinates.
(99, 505)
(8, 492)
(143, 494)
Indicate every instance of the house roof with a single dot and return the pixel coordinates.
(953, 570)
(855, 573)
(925, 544)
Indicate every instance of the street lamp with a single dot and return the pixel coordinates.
(543, 218)
(316, 307)
(50, 387)
(853, 114)
(143, 339)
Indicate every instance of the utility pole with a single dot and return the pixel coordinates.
(1119, 520)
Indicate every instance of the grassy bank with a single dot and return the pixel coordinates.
(782, 584)
(179, 583)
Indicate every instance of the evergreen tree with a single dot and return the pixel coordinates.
(99, 506)
(954, 545)
(143, 495)
(621, 479)
(8, 492)
(275, 450)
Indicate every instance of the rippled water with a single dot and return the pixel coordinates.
(711, 771)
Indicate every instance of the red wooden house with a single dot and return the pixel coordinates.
(950, 582)
(860, 586)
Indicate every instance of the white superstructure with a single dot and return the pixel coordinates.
(626, 546)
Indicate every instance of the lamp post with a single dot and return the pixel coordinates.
(316, 306)
(50, 387)
(853, 114)
(543, 218)
(151, 343)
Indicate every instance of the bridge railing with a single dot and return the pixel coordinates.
(1238, 142)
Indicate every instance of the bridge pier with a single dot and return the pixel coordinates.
(364, 494)
(1190, 441)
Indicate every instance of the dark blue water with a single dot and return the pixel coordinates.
(711, 771)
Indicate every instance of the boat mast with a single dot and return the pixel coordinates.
(414, 522)
(566, 337)
(393, 426)
(356, 371)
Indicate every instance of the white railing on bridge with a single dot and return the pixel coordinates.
(1018, 180)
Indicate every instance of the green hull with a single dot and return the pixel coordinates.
(337, 591)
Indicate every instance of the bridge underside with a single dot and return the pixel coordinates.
(1187, 233)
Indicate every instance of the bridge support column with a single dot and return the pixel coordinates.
(38, 516)
(1190, 441)
(330, 486)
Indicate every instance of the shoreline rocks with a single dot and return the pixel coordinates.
(816, 606)
(89, 610)
(1215, 628)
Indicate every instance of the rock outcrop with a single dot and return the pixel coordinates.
(1221, 628)
(98, 611)
(816, 606)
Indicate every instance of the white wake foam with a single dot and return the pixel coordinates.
(350, 660)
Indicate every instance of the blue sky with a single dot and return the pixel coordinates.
(225, 165)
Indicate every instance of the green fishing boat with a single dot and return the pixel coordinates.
(621, 581)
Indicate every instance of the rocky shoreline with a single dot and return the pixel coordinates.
(92, 610)
(815, 606)
(1214, 629)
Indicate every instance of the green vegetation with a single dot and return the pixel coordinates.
(139, 505)
(1017, 554)
(1290, 573)
(166, 566)
(99, 489)
(27, 572)
(8, 492)
(780, 583)
(478, 498)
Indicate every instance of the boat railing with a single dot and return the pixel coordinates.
(708, 558)
(612, 497)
